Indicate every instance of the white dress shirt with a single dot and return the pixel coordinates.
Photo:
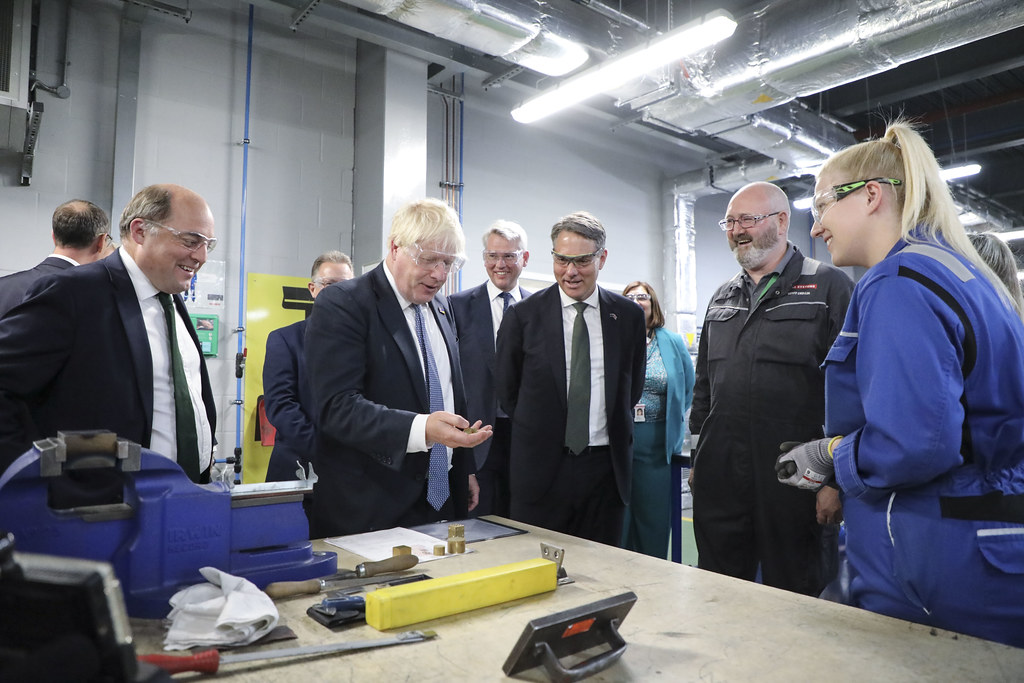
(163, 439)
(66, 258)
(592, 316)
(418, 432)
(498, 304)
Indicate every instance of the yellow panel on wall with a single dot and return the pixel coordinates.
(272, 301)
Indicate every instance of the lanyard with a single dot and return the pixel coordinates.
(767, 286)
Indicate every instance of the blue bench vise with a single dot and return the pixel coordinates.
(97, 497)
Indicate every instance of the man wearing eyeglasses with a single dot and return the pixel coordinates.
(80, 232)
(478, 314)
(569, 369)
(285, 383)
(392, 446)
(109, 345)
(759, 384)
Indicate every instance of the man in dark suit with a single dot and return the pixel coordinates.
(478, 313)
(285, 385)
(90, 348)
(569, 369)
(392, 448)
(81, 230)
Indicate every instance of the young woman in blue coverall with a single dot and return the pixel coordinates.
(924, 400)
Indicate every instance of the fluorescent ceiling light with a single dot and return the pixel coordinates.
(803, 203)
(1010, 235)
(955, 172)
(970, 218)
(686, 40)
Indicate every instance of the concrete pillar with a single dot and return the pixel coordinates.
(390, 145)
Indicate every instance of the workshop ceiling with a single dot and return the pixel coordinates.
(969, 97)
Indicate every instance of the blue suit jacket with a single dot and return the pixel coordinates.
(530, 374)
(472, 309)
(14, 286)
(368, 385)
(74, 355)
(288, 400)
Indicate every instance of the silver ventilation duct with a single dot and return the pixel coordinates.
(800, 47)
(527, 34)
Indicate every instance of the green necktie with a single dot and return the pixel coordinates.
(577, 423)
(184, 415)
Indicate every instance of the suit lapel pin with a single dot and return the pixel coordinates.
(613, 316)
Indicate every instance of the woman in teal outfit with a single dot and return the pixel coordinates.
(659, 429)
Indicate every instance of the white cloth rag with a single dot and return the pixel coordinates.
(229, 610)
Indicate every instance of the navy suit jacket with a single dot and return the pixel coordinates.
(288, 400)
(368, 385)
(14, 286)
(75, 356)
(530, 374)
(472, 309)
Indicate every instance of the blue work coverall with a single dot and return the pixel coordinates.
(926, 383)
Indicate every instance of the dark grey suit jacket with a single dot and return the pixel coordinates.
(367, 385)
(75, 356)
(472, 309)
(14, 286)
(531, 385)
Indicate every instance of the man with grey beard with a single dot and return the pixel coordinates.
(760, 384)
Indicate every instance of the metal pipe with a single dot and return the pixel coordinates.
(63, 91)
(239, 389)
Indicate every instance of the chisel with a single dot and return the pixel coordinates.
(283, 589)
(209, 661)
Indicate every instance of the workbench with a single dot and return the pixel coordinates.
(687, 625)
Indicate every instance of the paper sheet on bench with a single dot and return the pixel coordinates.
(378, 545)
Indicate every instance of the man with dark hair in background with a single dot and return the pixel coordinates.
(286, 392)
(81, 230)
(569, 367)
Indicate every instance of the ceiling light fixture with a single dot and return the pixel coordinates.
(955, 172)
(1009, 235)
(969, 219)
(686, 40)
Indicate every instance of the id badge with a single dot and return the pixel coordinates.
(638, 413)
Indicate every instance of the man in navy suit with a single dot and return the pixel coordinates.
(81, 231)
(285, 385)
(569, 369)
(478, 313)
(392, 446)
(89, 348)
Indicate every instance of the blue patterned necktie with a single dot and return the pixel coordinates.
(185, 436)
(506, 298)
(437, 476)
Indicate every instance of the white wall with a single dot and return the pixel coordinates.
(535, 174)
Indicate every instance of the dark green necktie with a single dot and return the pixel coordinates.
(184, 415)
(577, 423)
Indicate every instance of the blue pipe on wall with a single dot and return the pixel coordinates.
(240, 362)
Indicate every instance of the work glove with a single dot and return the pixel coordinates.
(806, 465)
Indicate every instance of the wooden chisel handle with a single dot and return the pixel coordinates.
(397, 563)
(284, 589)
